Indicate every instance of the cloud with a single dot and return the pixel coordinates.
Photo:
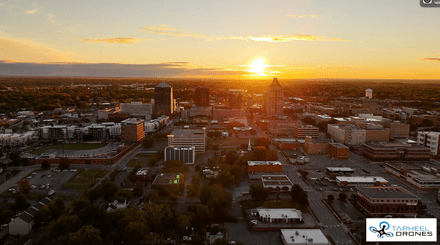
(286, 38)
(26, 50)
(309, 15)
(167, 30)
(123, 40)
(431, 59)
(169, 69)
(341, 40)
(34, 10)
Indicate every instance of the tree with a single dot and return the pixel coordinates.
(263, 141)
(260, 153)
(272, 155)
(108, 189)
(331, 197)
(154, 195)
(14, 156)
(24, 186)
(148, 142)
(123, 194)
(183, 221)
(342, 196)
(21, 202)
(217, 199)
(220, 241)
(237, 172)
(225, 179)
(59, 203)
(175, 166)
(45, 165)
(138, 189)
(85, 236)
(259, 193)
(79, 204)
(64, 164)
(230, 158)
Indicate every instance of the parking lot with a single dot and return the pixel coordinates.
(43, 178)
(239, 232)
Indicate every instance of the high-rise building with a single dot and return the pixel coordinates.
(235, 98)
(274, 99)
(163, 100)
(201, 97)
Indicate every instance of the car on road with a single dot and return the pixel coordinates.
(11, 189)
(29, 177)
(33, 186)
(34, 173)
(49, 176)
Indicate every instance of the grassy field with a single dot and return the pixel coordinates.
(70, 147)
(84, 179)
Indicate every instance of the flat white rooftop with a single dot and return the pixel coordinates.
(340, 169)
(365, 179)
(304, 236)
(280, 213)
(254, 163)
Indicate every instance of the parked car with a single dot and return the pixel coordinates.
(33, 186)
(51, 192)
(11, 189)
(29, 177)
(49, 176)
(42, 187)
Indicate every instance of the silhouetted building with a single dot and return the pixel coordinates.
(163, 100)
(274, 99)
(185, 154)
(201, 97)
(235, 98)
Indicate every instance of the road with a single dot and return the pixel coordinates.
(337, 231)
(14, 180)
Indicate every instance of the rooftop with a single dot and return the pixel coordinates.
(338, 145)
(133, 121)
(163, 85)
(304, 236)
(186, 133)
(340, 169)
(254, 163)
(387, 192)
(279, 213)
(167, 179)
(365, 179)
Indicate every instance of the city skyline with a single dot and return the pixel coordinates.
(237, 40)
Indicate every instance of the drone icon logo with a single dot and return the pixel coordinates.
(382, 232)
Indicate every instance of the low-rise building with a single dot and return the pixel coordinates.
(423, 175)
(383, 201)
(316, 146)
(132, 130)
(395, 151)
(23, 224)
(361, 181)
(335, 171)
(277, 182)
(289, 144)
(264, 166)
(303, 237)
(279, 215)
(338, 151)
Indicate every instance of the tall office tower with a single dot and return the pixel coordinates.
(163, 100)
(235, 98)
(201, 97)
(274, 99)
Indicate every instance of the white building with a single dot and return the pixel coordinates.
(282, 182)
(188, 138)
(25, 113)
(279, 215)
(369, 93)
(348, 134)
(17, 139)
(185, 154)
(361, 181)
(23, 224)
(303, 237)
(430, 140)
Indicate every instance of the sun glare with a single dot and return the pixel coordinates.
(258, 65)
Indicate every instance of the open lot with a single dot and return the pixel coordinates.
(84, 179)
(55, 181)
(76, 147)
(140, 159)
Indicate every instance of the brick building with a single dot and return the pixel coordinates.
(264, 166)
(382, 201)
(313, 146)
(338, 151)
(132, 130)
(301, 131)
